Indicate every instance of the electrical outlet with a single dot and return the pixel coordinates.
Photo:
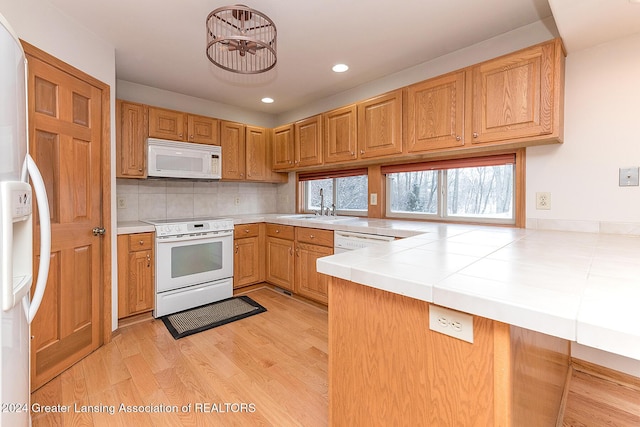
(451, 322)
(374, 199)
(122, 203)
(543, 201)
(237, 201)
(628, 177)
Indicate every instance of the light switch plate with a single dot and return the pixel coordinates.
(374, 199)
(628, 177)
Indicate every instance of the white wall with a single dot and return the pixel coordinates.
(39, 23)
(602, 134)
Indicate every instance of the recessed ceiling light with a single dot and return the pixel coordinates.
(267, 100)
(340, 68)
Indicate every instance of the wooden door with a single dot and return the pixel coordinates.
(166, 124)
(435, 113)
(66, 140)
(309, 282)
(308, 141)
(233, 150)
(283, 147)
(380, 125)
(513, 95)
(131, 153)
(203, 130)
(256, 154)
(341, 142)
(280, 262)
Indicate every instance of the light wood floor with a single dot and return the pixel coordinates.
(265, 370)
(596, 400)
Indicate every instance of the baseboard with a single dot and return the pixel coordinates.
(565, 397)
(612, 375)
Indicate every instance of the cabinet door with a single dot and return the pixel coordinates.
(283, 151)
(246, 262)
(203, 130)
(308, 142)
(380, 125)
(140, 295)
(280, 263)
(309, 282)
(341, 137)
(232, 136)
(435, 113)
(167, 124)
(257, 145)
(513, 96)
(131, 140)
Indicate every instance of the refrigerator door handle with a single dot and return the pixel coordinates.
(45, 240)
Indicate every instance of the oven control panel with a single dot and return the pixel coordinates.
(192, 227)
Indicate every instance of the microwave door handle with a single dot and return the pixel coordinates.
(45, 241)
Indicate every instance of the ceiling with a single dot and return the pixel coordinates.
(161, 43)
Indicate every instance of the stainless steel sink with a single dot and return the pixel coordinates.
(319, 218)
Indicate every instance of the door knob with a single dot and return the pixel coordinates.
(98, 231)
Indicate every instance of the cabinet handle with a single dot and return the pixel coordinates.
(361, 151)
(290, 251)
(353, 154)
(298, 252)
(311, 236)
(148, 260)
(458, 138)
(296, 162)
(141, 242)
(236, 248)
(190, 136)
(277, 231)
(475, 134)
(246, 230)
(180, 135)
(139, 169)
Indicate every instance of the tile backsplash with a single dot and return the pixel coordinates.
(164, 198)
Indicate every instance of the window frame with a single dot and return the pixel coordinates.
(516, 158)
(334, 175)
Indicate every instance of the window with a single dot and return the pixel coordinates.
(479, 190)
(348, 190)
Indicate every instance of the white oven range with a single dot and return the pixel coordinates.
(194, 263)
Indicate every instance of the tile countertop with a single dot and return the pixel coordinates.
(581, 287)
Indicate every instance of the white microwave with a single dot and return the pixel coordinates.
(172, 159)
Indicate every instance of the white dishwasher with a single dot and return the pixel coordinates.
(344, 241)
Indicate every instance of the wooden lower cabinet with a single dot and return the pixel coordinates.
(135, 274)
(248, 262)
(280, 259)
(386, 367)
(311, 244)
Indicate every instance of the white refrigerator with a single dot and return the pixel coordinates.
(16, 224)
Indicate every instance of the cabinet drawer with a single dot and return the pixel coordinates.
(140, 241)
(280, 231)
(246, 230)
(314, 236)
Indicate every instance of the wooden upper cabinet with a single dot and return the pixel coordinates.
(380, 125)
(166, 124)
(131, 156)
(435, 113)
(283, 147)
(341, 136)
(232, 138)
(257, 154)
(519, 96)
(202, 130)
(308, 142)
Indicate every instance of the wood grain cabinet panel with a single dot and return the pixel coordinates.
(311, 244)
(380, 126)
(308, 142)
(435, 113)
(519, 96)
(283, 147)
(203, 130)
(280, 262)
(341, 136)
(166, 124)
(232, 141)
(135, 274)
(131, 137)
(248, 260)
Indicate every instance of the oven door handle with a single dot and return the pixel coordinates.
(190, 237)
